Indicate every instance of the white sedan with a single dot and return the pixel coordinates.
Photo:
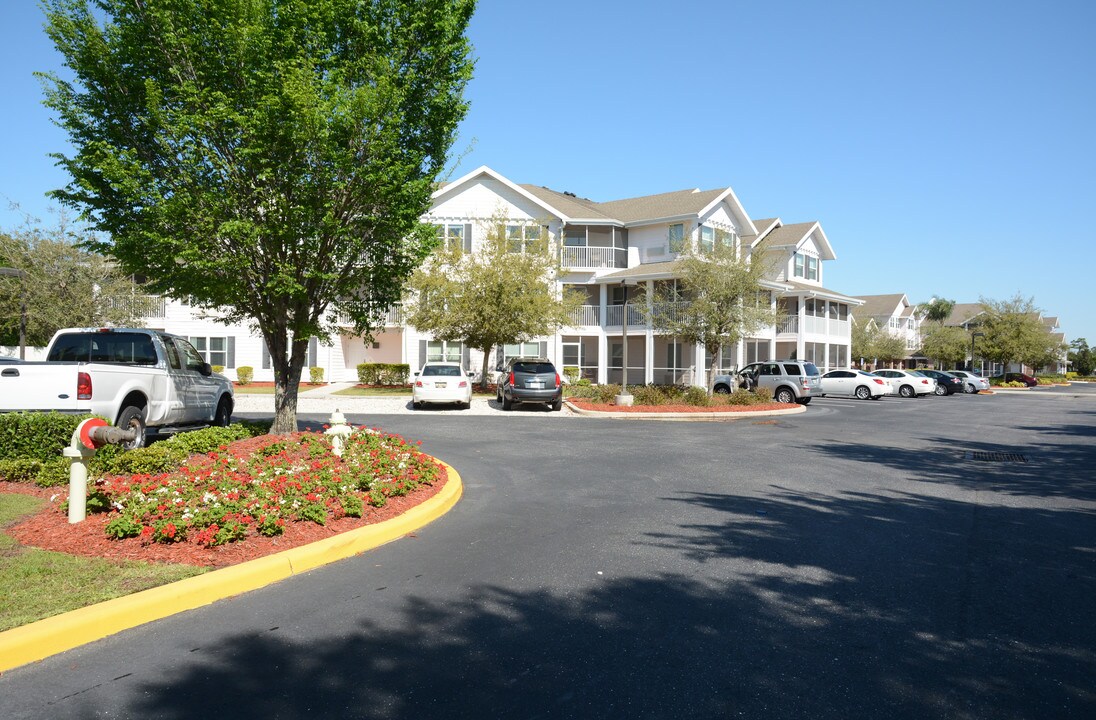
(972, 382)
(857, 383)
(442, 382)
(910, 383)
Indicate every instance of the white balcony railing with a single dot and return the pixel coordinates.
(392, 318)
(788, 325)
(615, 313)
(594, 257)
(142, 306)
(586, 316)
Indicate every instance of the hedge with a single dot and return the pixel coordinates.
(383, 373)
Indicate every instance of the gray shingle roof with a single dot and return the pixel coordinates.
(963, 312)
(663, 205)
(878, 305)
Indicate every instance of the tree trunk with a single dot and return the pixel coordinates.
(287, 378)
(713, 370)
(486, 357)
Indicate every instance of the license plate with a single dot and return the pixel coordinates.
(439, 385)
(534, 385)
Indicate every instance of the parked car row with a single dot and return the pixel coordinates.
(522, 380)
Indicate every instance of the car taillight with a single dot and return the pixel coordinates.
(463, 383)
(83, 386)
(878, 381)
(418, 383)
(557, 380)
(511, 377)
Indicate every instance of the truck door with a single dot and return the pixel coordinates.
(201, 395)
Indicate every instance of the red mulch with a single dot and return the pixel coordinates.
(49, 529)
(602, 407)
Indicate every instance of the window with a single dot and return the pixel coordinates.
(677, 238)
(216, 350)
(806, 266)
(442, 351)
(528, 349)
(724, 238)
(707, 238)
(673, 355)
(574, 236)
(522, 238)
(451, 237)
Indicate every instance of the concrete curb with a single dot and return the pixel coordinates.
(57, 634)
(686, 417)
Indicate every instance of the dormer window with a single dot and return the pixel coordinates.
(806, 266)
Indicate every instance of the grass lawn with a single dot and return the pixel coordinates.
(36, 584)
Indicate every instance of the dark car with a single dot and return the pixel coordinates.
(529, 380)
(946, 383)
(1017, 377)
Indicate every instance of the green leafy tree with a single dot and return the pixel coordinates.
(1081, 357)
(63, 285)
(946, 344)
(504, 291)
(875, 344)
(1014, 333)
(271, 159)
(717, 301)
(936, 310)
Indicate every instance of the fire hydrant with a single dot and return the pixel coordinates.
(339, 432)
(88, 436)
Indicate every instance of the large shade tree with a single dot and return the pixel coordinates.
(1014, 332)
(718, 299)
(52, 282)
(271, 159)
(503, 291)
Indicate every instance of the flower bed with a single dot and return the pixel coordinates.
(586, 404)
(253, 489)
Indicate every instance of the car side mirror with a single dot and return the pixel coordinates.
(498, 368)
(205, 369)
(416, 373)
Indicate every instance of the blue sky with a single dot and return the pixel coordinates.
(947, 148)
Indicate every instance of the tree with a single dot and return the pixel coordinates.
(1014, 333)
(947, 344)
(869, 341)
(718, 300)
(1081, 357)
(936, 310)
(63, 286)
(271, 159)
(503, 292)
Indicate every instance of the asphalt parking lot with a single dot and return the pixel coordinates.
(931, 557)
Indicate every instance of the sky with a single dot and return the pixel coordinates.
(948, 148)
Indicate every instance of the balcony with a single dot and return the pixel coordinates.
(586, 316)
(392, 318)
(788, 325)
(142, 306)
(594, 257)
(615, 313)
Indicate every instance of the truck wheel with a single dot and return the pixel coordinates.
(784, 395)
(224, 413)
(133, 418)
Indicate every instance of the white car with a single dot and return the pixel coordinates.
(442, 382)
(857, 383)
(910, 383)
(972, 382)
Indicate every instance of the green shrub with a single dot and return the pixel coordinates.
(697, 396)
(649, 395)
(391, 374)
(19, 469)
(244, 374)
(158, 458)
(219, 369)
(572, 374)
(40, 436)
(54, 472)
(315, 375)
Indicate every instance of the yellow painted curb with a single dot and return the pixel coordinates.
(50, 636)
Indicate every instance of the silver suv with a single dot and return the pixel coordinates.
(529, 380)
(789, 380)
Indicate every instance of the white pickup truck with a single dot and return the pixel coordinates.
(135, 377)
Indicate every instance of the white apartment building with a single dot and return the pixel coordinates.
(605, 247)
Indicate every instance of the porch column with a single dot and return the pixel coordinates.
(649, 340)
(602, 338)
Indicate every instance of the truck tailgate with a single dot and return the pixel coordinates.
(40, 387)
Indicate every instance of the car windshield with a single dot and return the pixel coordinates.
(810, 368)
(534, 367)
(441, 371)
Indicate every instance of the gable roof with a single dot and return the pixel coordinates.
(883, 305)
(963, 313)
(793, 236)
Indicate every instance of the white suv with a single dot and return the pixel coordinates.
(789, 380)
